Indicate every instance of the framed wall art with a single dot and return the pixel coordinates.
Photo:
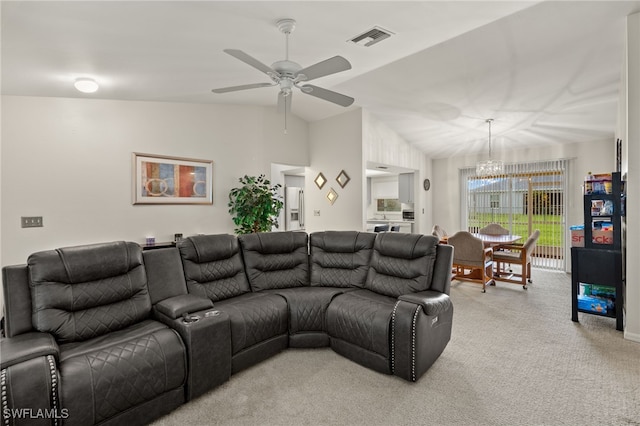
(159, 179)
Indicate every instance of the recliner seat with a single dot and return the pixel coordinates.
(114, 362)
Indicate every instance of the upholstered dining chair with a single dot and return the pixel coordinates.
(494, 229)
(471, 260)
(395, 228)
(438, 232)
(518, 254)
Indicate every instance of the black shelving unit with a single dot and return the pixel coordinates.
(597, 275)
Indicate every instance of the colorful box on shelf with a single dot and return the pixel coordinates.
(595, 304)
(598, 184)
(603, 235)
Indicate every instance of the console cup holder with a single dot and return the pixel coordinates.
(188, 319)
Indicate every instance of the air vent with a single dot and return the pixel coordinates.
(371, 37)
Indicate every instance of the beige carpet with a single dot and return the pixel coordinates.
(515, 358)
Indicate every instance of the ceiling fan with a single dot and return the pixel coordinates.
(287, 74)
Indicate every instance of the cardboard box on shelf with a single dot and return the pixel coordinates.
(598, 236)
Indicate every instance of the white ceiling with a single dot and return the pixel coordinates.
(547, 72)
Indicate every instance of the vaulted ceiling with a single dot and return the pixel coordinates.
(547, 72)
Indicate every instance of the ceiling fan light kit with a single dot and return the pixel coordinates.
(287, 74)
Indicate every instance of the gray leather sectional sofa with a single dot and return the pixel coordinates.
(109, 334)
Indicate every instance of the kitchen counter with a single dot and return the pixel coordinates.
(405, 225)
(383, 221)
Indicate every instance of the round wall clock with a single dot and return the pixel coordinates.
(426, 184)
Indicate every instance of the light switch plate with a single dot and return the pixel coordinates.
(31, 221)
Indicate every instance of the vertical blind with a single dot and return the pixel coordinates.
(528, 196)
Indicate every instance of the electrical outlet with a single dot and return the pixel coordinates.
(31, 221)
(316, 212)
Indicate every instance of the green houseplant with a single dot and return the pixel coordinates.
(255, 205)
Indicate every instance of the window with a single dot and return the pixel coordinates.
(495, 201)
(388, 205)
(528, 196)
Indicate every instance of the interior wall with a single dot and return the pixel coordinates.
(69, 160)
(382, 145)
(335, 144)
(631, 165)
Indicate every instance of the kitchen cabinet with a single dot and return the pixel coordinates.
(406, 187)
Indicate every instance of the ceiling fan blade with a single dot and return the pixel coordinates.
(326, 67)
(250, 60)
(242, 87)
(328, 95)
(284, 103)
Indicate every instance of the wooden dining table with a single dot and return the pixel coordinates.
(496, 240)
(491, 240)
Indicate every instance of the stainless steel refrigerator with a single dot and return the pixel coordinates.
(294, 208)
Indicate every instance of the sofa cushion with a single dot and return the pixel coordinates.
(340, 258)
(362, 318)
(254, 317)
(307, 306)
(110, 374)
(213, 266)
(276, 259)
(401, 263)
(86, 291)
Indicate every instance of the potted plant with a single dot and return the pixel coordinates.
(255, 205)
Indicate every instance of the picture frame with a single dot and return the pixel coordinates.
(161, 179)
(320, 180)
(343, 179)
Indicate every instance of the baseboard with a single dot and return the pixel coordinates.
(634, 337)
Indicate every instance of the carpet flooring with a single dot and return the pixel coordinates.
(515, 358)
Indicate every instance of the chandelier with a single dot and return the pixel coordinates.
(489, 167)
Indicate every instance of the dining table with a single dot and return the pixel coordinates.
(496, 240)
(490, 240)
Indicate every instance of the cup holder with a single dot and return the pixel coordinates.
(188, 319)
(212, 314)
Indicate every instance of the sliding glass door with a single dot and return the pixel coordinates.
(527, 197)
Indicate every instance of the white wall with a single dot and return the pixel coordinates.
(335, 144)
(631, 164)
(380, 144)
(69, 160)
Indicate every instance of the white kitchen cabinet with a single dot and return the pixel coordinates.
(405, 187)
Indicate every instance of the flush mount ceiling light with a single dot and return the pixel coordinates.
(489, 167)
(86, 85)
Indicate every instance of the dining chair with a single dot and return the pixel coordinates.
(516, 254)
(471, 260)
(494, 229)
(395, 228)
(381, 228)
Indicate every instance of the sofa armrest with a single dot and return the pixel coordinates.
(432, 302)
(207, 337)
(177, 306)
(21, 348)
(421, 328)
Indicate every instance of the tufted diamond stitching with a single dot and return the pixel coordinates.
(262, 319)
(216, 270)
(99, 320)
(337, 260)
(101, 292)
(310, 317)
(126, 375)
(354, 320)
